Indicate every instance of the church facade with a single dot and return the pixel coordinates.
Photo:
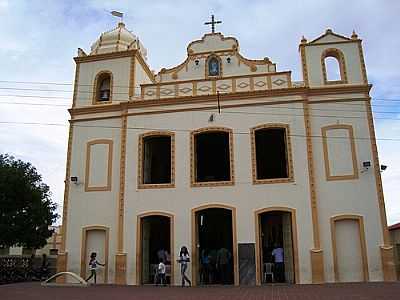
(224, 152)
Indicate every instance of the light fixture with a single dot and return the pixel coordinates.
(197, 62)
(228, 60)
(366, 165)
(74, 179)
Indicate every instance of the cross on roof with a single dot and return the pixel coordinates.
(212, 23)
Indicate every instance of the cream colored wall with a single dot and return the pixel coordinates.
(356, 196)
(141, 77)
(97, 207)
(351, 57)
(120, 69)
(245, 196)
(339, 152)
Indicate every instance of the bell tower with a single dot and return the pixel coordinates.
(113, 70)
(346, 52)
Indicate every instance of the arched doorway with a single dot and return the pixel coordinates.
(95, 239)
(276, 228)
(214, 244)
(154, 241)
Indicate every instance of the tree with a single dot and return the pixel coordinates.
(26, 209)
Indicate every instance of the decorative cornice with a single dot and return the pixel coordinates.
(302, 91)
(104, 56)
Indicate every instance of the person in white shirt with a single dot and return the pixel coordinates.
(161, 269)
(93, 266)
(183, 260)
(277, 253)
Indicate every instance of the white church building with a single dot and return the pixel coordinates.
(224, 151)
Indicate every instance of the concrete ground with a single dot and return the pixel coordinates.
(364, 291)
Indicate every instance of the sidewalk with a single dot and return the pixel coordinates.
(364, 291)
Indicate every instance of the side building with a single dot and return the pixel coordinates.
(224, 152)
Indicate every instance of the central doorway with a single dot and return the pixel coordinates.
(276, 239)
(154, 243)
(214, 246)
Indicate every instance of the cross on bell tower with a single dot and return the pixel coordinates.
(212, 23)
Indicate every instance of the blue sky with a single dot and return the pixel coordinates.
(39, 39)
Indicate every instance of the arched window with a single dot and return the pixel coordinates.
(156, 159)
(333, 66)
(103, 87)
(213, 66)
(271, 154)
(332, 69)
(212, 156)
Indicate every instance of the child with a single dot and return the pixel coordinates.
(161, 272)
(93, 265)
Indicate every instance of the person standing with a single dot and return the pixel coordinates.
(161, 272)
(183, 260)
(277, 253)
(223, 259)
(93, 266)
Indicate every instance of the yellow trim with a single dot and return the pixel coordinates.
(140, 183)
(257, 215)
(362, 63)
(288, 150)
(284, 92)
(388, 269)
(139, 242)
(109, 165)
(193, 170)
(195, 257)
(85, 231)
(317, 266)
(132, 78)
(104, 56)
(96, 88)
(66, 191)
(304, 64)
(76, 85)
(336, 53)
(363, 247)
(325, 138)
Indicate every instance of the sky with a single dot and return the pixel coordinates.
(39, 38)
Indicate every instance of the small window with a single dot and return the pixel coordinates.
(103, 87)
(213, 67)
(212, 156)
(271, 153)
(156, 160)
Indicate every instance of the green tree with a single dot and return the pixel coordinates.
(26, 209)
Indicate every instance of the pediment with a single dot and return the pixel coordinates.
(211, 42)
(329, 37)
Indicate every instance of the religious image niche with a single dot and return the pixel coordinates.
(213, 67)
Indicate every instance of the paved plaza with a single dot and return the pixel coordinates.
(364, 291)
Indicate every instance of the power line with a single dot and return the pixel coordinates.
(181, 130)
(207, 110)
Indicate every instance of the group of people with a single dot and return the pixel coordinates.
(163, 258)
(215, 266)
